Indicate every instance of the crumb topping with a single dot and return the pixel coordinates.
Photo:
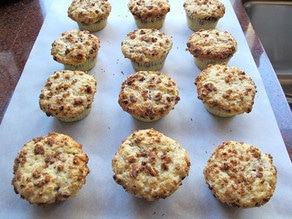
(67, 93)
(212, 44)
(89, 11)
(149, 8)
(148, 94)
(204, 9)
(150, 165)
(226, 88)
(75, 47)
(145, 45)
(50, 168)
(240, 175)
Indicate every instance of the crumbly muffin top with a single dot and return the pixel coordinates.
(89, 11)
(75, 47)
(149, 8)
(49, 169)
(240, 175)
(149, 95)
(204, 8)
(67, 93)
(146, 45)
(226, 88)
(212, 44)
(150, 165)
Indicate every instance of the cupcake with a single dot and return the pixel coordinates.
(203, 14)
(150, 13)
(76, 49)
(90, 15)
(241, 175)
(68, 95)
(225, 91)
(211, 47)
(146, 48)
(148, 95)
(49, 169)
(150, 165)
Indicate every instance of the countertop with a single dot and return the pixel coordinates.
(20, 23)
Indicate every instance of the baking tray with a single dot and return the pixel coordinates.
(107, 125)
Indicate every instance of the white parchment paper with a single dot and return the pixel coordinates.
(107, 125)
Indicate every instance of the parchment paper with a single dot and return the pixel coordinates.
(107, 125)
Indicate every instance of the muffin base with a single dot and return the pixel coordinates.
(94, 27)
(146, 120)
(156, 23)
(203, 63)
(196, 24)
(149, 66)
(86, 66)
(219, 113)
(75, 118)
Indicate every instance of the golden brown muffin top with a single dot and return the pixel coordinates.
(204, 8)
(212, 44)
(146, 45)
(241, 175)
(150, 165)
(148, 95)
(89, 11)
(75, 47)
(49, 169)
(149, 8)
(67, 93)
(226, 88)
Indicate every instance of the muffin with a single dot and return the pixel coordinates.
(49, 169)
(146, 48)
(203, 14)
(68, 95)
(241, 175)
(150, 165)
(76, 49)
(91, 15)
(150, 13)
(211, 47)
(225, 91)
(148, 95)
